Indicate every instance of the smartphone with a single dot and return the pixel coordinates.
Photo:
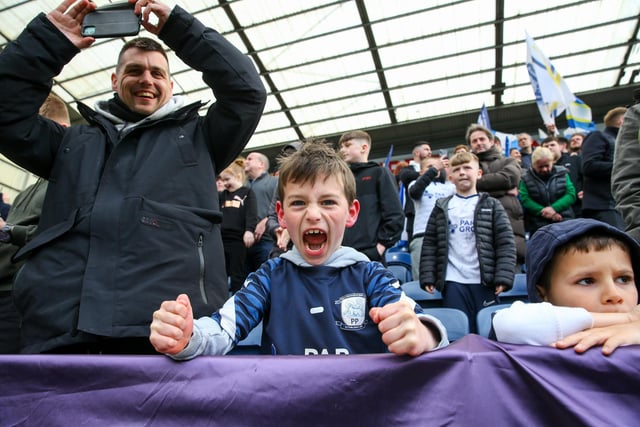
(112, 20)
(443, 154)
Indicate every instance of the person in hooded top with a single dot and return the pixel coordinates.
(582, 289)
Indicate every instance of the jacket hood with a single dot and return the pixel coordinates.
(343, 257)
(173, 104)
(360, 166)
(544, 243)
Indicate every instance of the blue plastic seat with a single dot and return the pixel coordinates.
(422, 297)
(399, 263)
(399, 257)
(485, 317)
(518, 292)
(401, 272)
(455, 321)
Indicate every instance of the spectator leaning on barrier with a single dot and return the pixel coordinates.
(318, 298)
(582, 289)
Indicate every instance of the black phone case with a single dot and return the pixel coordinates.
(112, 20)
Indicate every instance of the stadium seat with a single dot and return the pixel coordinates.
(398, 257)
(401, 246)
(485, 316)
(251, 344)
(422, 297)
(456, 321)
(401, 272)
(517, 293)
(399, 263)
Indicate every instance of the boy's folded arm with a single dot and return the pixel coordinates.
(601, 320)
(539, 323)
(208, 338)
(609, 337)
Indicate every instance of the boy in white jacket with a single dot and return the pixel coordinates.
(582, 288)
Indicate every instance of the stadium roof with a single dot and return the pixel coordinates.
(402, 70)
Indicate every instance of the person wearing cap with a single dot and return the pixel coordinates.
(581, 288)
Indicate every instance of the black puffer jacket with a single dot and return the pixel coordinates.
(494, 242)
(501, 178)
(131, 218)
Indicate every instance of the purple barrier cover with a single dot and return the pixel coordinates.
(472, 382)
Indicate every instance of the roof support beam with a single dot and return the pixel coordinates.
(375, 56)
(261, 68)
(498, 86)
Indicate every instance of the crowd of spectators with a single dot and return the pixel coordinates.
(128, 227)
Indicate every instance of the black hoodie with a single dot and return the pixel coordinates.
(381, 218)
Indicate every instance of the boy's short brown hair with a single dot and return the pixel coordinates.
(462, 158)
(315, 159)
(358, 135)
(612, 116)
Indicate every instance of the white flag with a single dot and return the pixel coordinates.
(552, 93)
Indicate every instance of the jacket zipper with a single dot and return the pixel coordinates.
(203, 294)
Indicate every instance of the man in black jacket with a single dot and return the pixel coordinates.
(131, 215)
(597, 163)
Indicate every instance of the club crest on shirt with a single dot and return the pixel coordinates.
(352, 310)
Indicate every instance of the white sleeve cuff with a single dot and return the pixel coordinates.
(539, 323)
(208, 338)
(431, 322)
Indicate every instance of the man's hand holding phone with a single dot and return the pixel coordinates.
(144, 8)
(112, 20)
(80, 23)
(69, 19)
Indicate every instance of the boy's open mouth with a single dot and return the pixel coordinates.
(315, 239)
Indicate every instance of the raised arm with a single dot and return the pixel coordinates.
(231, 75)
